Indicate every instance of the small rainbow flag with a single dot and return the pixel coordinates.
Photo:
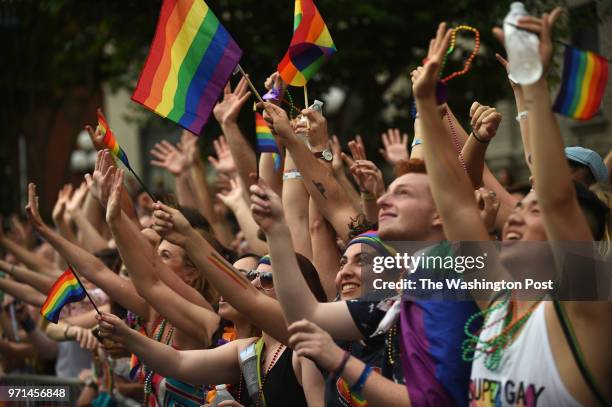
(265, 140)
(190, 61)
(585, 75)
(109, 139)
(65, 290)
(310, 46)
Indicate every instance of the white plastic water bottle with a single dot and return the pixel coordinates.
(525, 66)
(222, 395)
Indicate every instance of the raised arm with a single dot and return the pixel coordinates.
(145, 268)
(89, 238)
(325, 253)
(39, 281)
(291, 289)
(263, 311)
(295, 204)
(340, 173)
(119, 289)
(450, 185)
(226, 112)
(236, 202)
(31, 260)
(202, 366)
(23, 292)
(317, 175)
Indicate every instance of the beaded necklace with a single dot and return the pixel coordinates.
(265, 376)
(493, 348)
(148, 388)
(468, 62)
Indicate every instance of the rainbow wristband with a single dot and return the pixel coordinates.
(358, 387)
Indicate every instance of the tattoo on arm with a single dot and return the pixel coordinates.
(320, 187)
(225, 267)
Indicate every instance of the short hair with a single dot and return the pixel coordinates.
(595, 211)
(411, 166)
(359, 224)
(310, 274)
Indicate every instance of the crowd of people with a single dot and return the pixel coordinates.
(255, 290)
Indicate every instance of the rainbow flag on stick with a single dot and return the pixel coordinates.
(65, 290)
(109, 139)
(585, 75)
(265, 140)
(310, 46)
(190, 61)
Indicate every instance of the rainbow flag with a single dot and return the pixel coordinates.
(310, 46)
(265, 140)
(190, 61)
(109, 139)
(585, 75)
(65, 290)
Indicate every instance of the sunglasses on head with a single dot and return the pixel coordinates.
(265, 278)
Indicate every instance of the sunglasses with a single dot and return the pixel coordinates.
(265, 278)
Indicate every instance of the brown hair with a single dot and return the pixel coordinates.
(312, 277)
(412, 166)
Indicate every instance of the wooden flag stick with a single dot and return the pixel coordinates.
(84, 289)
(257, 95)
(305, 97)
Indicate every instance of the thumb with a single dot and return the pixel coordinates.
(498, 33)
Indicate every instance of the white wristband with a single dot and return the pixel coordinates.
(291, 174)
(521, 115)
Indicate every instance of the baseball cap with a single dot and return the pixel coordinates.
(589, 158)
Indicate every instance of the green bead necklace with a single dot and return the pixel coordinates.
(148, 388)
(493, 348)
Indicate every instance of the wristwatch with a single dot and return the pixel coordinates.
(326, 155)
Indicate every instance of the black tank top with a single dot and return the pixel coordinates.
(281, 388)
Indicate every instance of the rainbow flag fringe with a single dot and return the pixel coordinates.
(65, 290)
(110, 141)
(310, 47)
(190, 61)
(585, 75)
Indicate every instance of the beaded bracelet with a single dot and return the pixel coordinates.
(357, 387)
(292, 174)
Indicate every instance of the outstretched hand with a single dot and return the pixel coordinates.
(277, 120)
(266, 205)
(98, 182)
(113, 207)
(224, 162)
(60, 204)
(539, 26)
(171, 224)
(171, 158)
(32, 208)
(395, 147)
(424, 85)
(228, 109)
(235, 195)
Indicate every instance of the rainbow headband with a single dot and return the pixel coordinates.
(371, 239)
(265, 260)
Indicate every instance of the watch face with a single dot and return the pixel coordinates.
(327, 155)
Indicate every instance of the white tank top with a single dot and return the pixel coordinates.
(527, 374)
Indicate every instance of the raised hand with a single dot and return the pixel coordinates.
(485, 121)
(228, 109)
(171, 224)
(540, 26)
(83, 336)
(312, 342)
(224, 163)
(368, 177)
(96, 136)
(77, 199)
(232, 198)
(424, 85)
(113, 206)
(489, 206)
(32, 208)
(189, 147)
(105, 169)
(277, 120)
(266, 206)
(60, 204)
(113, 328)
(317, 134)
(171, 158)
(337, 163)
(395, 146)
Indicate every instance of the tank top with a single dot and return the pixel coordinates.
(281, 388)
(527, 374)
